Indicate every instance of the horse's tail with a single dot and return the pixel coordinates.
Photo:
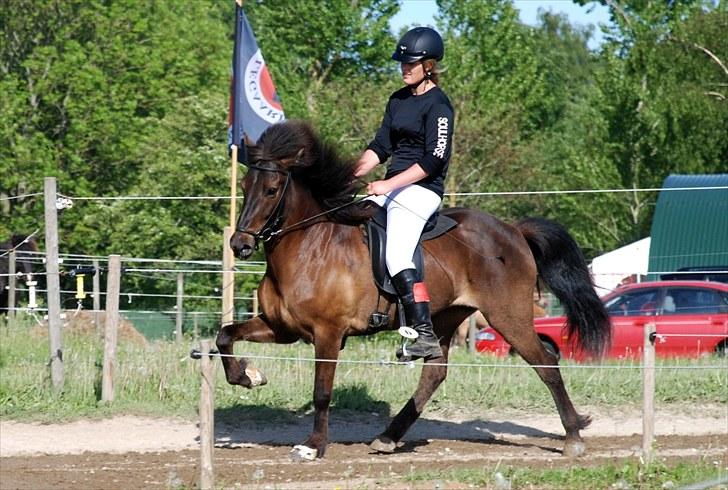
(562, 267)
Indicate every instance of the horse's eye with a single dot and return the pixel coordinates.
(271, 191)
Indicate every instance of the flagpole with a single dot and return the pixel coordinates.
(234, 169)
(233, 184)
(228, 258)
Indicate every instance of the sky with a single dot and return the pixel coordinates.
(422, 12)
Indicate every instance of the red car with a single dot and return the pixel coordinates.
(691, 319)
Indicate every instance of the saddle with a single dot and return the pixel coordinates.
(377, 239)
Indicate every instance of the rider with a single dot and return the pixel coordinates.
(417, 133)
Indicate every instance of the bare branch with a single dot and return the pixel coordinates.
(619, 10)
(712, 56)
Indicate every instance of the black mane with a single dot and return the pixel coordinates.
(320, 168)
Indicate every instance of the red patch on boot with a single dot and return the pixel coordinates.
(420, 292)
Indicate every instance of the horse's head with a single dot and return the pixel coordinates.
(281, 149)
(287, 153)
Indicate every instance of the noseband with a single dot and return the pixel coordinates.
(271, 227)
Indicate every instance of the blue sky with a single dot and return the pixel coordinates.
(422, 12)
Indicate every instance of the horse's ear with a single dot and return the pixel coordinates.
(296, 161)
(299, 156)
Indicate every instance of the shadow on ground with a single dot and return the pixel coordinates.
(355, 417)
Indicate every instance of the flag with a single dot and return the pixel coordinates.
(254, 103)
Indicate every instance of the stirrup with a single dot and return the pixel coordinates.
(408, 333)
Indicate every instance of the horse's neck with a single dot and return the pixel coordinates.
(308, 242)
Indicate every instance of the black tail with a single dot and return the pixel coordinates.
(562, 267)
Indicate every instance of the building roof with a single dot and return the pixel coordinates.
(690, 227)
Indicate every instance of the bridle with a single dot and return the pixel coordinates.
(271, 227)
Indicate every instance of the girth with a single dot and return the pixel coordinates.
(377, 240)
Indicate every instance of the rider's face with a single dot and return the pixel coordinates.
(412, 73)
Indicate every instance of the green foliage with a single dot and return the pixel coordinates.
(129, 98)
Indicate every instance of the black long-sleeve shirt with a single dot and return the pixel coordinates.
(417, 129)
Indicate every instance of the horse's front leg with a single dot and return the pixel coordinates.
(257, 329)
(327, 353)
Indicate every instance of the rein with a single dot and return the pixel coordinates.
(269, 231)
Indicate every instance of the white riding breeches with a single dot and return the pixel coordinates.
(408, 210)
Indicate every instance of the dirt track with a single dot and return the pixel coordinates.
(150, 453)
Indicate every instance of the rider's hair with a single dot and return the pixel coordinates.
(431, 70)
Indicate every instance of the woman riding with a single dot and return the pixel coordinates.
(417, 133)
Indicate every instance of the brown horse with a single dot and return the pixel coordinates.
(318, 284)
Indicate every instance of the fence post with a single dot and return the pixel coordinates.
(472, 330)
(112, 322)
(195, 325)
(256, 306)
(228, 277)
(180, 293)
(11, 285)
(207, 417)
(648, 392)
(97, 294)
(53, 283)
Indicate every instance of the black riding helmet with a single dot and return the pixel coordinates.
(417, 44)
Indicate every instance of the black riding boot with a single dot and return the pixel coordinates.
(415, 302)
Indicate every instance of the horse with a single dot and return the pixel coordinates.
(300, 202)
(19, 244)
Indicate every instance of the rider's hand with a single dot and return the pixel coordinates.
(378, 188)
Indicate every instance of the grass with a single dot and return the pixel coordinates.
(627, 475)
(162, 379)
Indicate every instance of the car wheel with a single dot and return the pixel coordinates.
(721, 350)
(551, 349)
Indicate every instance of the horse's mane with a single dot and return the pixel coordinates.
(320, 168)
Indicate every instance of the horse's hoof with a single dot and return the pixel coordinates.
(574, 449)
(383, 445)
(256, 377)
(303, 453)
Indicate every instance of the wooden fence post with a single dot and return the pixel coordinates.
(53, 283)
(112, 323)
(648, 392)
(97, 294)
(195, 325)
(11, 285)
(256, 306)
(228, 278)
(180, 293)
(207, 417)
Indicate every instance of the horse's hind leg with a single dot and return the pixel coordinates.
(433, 374)
(523, 338)
(238, 371)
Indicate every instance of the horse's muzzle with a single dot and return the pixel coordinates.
(243, 245)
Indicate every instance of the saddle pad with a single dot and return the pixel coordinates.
(377, 240)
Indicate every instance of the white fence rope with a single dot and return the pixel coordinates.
(412, 364)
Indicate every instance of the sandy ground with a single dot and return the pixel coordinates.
(138, 434)
(135, 452)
